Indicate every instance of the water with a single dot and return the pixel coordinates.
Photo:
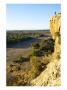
(24, 44)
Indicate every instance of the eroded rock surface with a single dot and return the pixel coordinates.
(51, 75)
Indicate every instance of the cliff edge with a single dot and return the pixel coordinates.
(51, 76)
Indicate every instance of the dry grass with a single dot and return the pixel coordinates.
(13, 53)
(20, 74)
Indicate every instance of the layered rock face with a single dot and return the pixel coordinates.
(51, 75)
(55, 26)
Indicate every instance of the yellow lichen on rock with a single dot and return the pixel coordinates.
(51, 75)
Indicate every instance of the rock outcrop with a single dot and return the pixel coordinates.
(55, 26)
(51, 75)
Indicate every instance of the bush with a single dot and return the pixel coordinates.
(35, 45)
(18, 79)
(47, 45)
(59, 36)
(22, 59)
(37, 53)
(36, 66)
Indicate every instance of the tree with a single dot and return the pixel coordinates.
(47, 45)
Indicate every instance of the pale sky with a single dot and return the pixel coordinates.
(30, 16)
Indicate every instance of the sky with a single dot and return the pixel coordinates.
(30, 16)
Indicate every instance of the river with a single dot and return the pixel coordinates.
(24, 44)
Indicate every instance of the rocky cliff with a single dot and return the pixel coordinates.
(51, 75)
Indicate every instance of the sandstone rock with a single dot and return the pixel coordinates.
(51, 75)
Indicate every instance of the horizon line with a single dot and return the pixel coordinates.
(24, 29)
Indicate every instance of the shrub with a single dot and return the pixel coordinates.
(35, 45)
(47, 45)
(21, 59)
(18, 78)
(36, 66)
(59, 36)
(37, 53)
